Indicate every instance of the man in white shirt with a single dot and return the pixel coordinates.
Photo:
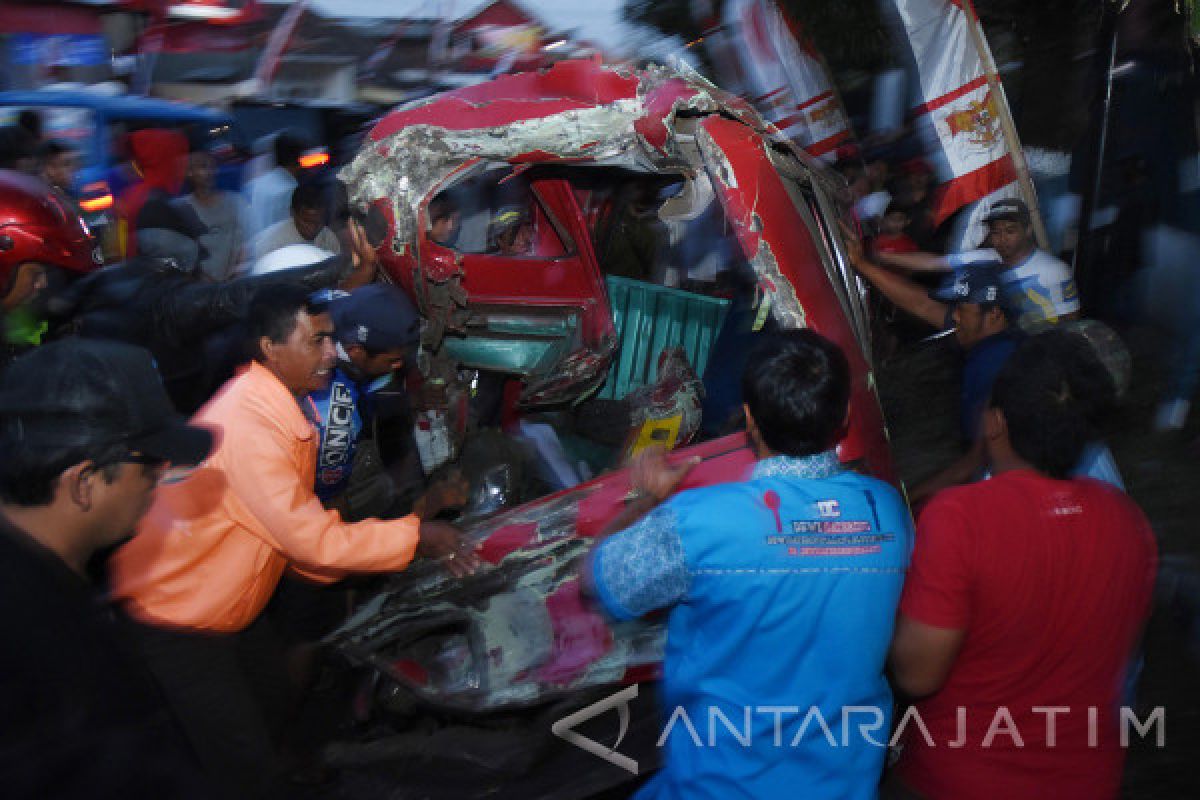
(304, 225)
(1036, 285)
(268, 195)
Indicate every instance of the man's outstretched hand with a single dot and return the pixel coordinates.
(854, 246)
(651, 475)
(444, 542)
(442, 495)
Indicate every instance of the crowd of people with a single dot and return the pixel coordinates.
(283, 365)
(806, 585)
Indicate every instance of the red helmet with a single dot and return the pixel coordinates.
(36, 226)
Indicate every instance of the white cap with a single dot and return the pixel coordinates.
(294, 255)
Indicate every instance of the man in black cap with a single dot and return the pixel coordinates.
(87, 432)
(1037, 287)
(376, 330)
(973, 303)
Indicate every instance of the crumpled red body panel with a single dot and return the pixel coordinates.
(566, 86)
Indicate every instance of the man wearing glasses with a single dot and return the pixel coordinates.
(86, 432)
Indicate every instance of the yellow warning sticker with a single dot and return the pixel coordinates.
(663, 433)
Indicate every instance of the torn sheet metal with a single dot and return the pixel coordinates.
(412, 163)
(518, 632)
(575, 111)
(772, 216)
(779, 293)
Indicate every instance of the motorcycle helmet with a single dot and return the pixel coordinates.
(35, 225)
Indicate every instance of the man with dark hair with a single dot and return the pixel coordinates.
(87, 432)
(223, 214)
(1027, 595)
(57, 163)
(269, 194)
(304, 225)
(971, 302)
(893, 231)
(782, 592)
(216, 546)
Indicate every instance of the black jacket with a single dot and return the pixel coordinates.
(173, 314)
(82, 716)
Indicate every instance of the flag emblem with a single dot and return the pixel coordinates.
(979, 122)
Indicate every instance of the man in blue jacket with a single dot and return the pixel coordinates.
(782, 591)
(376, 329)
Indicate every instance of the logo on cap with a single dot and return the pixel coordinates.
(363, 333)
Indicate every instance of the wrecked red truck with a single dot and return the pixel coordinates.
(660, 227)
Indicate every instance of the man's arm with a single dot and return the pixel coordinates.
(651, 480)
(267, 482)
(642, 567)
(905, 294)
(202, 308)
(362, 255)
(935, 606)
(963, 470)
(915, 262)
(922, 655)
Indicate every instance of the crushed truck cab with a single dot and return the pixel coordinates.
(663, 227)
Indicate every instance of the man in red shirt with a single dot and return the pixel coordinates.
(1026, 596)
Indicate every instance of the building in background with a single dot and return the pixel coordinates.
(209, 51)
(55, 42)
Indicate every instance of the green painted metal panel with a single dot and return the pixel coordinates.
(649, 318)
(516, 356)
(522, 341)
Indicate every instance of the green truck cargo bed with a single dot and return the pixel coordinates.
(649, 318)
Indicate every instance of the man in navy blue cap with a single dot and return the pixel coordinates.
(1038, 288)
(376, 330)
(971, 302)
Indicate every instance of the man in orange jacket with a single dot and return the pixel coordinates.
(212, 549)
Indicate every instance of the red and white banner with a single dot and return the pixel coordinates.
(959, 113)
(785, 78)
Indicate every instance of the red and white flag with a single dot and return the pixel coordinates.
(785, 78)
(959, 111)
(277, 43)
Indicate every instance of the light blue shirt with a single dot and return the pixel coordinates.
(782, 592)
(1039, 291)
